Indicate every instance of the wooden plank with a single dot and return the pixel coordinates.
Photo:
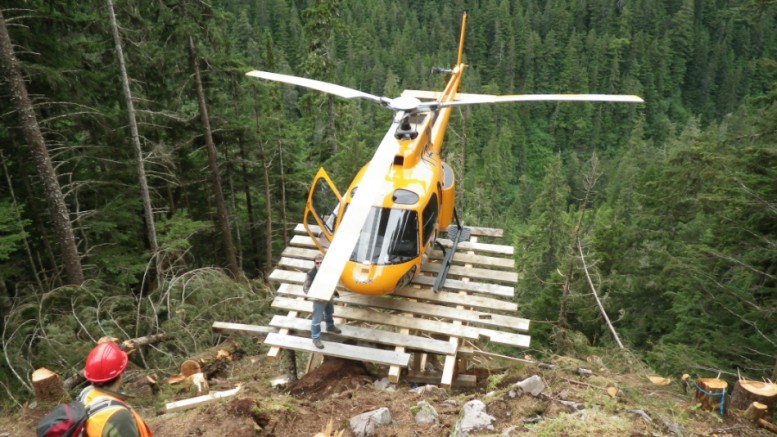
(474, 287)
(434, 379)
(299, 252)
(447, 297)
(479, 247)
(340, 350)
(229, 328)
(294, 263)
(478, 260)
(431, 310)
(287, 276)
(372, 335)
(506, 338)
(472, 272)
(426, 294)
(432, 326)
(485, 232)
(302, 241)
(200, 400)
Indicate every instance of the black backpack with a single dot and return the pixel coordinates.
(69, 420)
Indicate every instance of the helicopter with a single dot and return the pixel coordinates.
(377, 234)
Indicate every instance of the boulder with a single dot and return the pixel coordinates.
(474, 418)
(364, 424)
(425, 414)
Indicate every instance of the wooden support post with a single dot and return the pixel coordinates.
(451, 362)
(711, 392)
(275, 351)
(395, 371)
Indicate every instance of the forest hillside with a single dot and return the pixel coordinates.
(149, 186)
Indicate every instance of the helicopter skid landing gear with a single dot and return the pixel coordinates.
(456, 233)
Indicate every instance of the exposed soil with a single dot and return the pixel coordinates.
(338, 390)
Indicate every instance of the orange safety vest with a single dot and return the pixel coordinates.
(96, 423)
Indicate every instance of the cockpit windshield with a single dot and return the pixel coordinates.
(389, 236)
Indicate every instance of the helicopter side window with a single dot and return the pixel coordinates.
(430, 217)
(326, 201)
(389, 236)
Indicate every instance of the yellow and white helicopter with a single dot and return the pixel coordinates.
(376, 234)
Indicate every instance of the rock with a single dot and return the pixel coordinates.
(384, 385)
(364, 424)
(474, 418)
(584, 372)
(532, 385)
(509, 431)
(430, 390)
(425, 414)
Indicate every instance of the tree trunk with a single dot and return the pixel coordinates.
(267, 192)
(221, 210)
(284, 219)
(52, 190)
(268, 207)
(133, 124)
(249, 207)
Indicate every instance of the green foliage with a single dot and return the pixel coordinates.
(11, 231)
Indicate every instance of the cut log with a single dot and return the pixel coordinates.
(127, 346)
(755, 411)
(215, 359)
(48, 386)
(766, 425)
(711, 393)
(746, 392)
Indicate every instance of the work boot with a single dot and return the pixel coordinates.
(318, 344)
(334, 330)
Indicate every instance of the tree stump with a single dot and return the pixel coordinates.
(746, 392)
(755, 411)
(711, 392)
(48, 386)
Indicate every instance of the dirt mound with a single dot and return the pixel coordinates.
(333, 376)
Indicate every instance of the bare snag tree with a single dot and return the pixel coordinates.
(133, 124)
(55, 200)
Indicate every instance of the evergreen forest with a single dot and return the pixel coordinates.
(149, 186)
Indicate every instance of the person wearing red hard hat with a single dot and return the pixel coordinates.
(113, 417)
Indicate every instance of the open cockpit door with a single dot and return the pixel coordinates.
(323, 208)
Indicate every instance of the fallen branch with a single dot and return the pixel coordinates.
(128, 346)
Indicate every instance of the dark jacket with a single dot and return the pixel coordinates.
(309, 279)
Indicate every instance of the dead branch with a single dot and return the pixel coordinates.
(596, 296)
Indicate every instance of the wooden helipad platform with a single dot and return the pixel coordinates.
(402, 329)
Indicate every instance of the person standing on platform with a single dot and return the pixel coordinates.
(320, 308)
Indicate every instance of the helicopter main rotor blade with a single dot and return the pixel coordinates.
(326, 87)
(349, 230)
(478, 99)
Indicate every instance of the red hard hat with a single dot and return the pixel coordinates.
(105, 362)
